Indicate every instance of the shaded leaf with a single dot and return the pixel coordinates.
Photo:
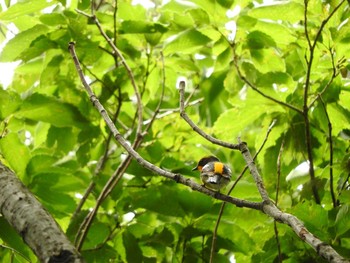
(47, 109)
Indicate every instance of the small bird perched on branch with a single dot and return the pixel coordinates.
(214, 174)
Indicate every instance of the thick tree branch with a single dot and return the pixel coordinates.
(33, 223)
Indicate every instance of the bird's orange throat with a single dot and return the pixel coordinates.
(218, 168)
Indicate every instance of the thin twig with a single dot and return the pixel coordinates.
(306, 96)
(279, 162)
(115, 30)
(99, 167)
(306, 31)
(335, 73)
(184, 115)
(310, 155)
(113, 180)
(330, 138)
(223, 205)
(166, 112)
(245, 80)
(345, 184)
(280, 258)
(128, 69)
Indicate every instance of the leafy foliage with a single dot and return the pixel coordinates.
(57, 143)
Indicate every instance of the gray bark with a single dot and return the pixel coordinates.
(32, 222)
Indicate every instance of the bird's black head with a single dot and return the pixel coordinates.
(204, 161)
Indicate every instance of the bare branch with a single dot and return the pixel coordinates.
(331, 187)
(280, 259)
(335, 73)
(184, 115)
(245, 80)
(177, 177)
(128, 69)
(306, 96)
(166, 112)
(133, 154)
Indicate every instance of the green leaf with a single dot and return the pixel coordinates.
(200, 205)
(132, 249)
(340, 117)
(51, 71)
(57, 202)
(259, 40)
(53, 19)
(12, 239)
(141, 27)
(225, 3)
(163, 200)
(270, 78)
(62, 138)
(314, 217)
(26, 75)
(187, 42)
(103, 254)
(342, 221)
(227, 127)
(98, 233)
(42, 108)
(21, 42)
(40, 163)
(126, 11)
(199, 16)
(23, 8)
(15, 152)
(9, 102)
(267, 60)
(285, 11)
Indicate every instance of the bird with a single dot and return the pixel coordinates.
(214, 174)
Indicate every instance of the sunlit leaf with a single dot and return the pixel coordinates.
(20, 42)
(16, 153)
(23, 8)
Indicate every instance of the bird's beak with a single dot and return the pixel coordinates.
(198, 167)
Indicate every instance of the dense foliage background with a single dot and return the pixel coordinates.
(247, 64)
